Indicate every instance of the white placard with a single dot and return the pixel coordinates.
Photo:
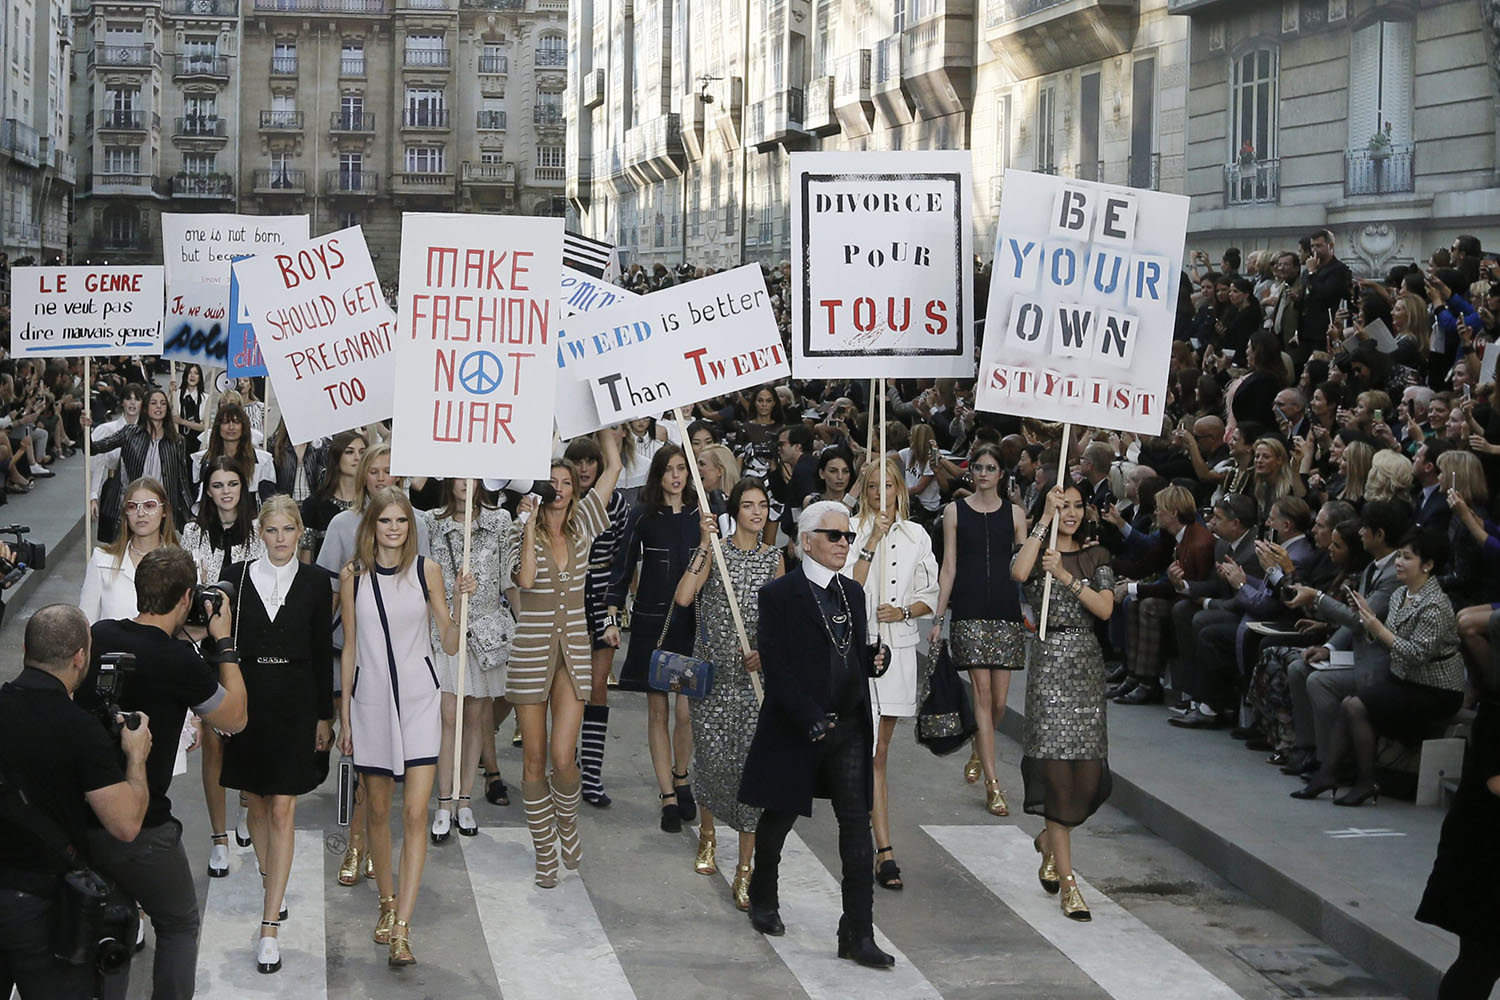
(94, 311)
(584, 293)
(1083, 301)
(718, 335)
(883, 268)
(197, 251)
(324, 331)
(475, 345)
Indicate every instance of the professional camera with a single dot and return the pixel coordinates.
(95, 922)
(28, 556)
(208, 593)
(113, 669)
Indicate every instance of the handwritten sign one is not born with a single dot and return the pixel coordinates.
(1083, 300)
(475, 345)
(325, 333)
(719, 335)
(197, 251)
(883, 273)
(77, 311)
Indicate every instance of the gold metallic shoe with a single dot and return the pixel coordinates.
(1047, 874)
(994, 799)
(705, 863)
(400, 945)
(741, 887)
(387, 920)
(369, 865)
(973, 769)
(349, 867)
(1073, 906)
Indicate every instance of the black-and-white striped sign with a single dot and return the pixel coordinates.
(586, 255)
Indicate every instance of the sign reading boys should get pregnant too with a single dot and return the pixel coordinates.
(1083, 299)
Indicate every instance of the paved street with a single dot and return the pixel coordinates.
(636, 921)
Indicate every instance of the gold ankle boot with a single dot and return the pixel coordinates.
(369, 865)
(973, 769)
(1073, 906)
(1047, 874)
(741, 887)
(704, 865)
(401, 945)
(349, 867)
(994, 799)
(387, 920)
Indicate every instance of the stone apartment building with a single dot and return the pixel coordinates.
(36, 168)
(681, 115)
(350, 111)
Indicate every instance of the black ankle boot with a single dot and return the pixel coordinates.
(860, 947)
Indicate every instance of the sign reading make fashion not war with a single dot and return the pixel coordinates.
(678, 346)
(476, 345)
(197, 251)
(883, 271)
(76, 311)
(324, 331)
(1083, 299)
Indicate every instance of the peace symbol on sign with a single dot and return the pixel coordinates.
(480, 372)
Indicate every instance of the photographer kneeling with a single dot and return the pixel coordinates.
(168, 678)
(63, 762)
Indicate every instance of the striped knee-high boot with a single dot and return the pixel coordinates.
(565, 792)
(591, 754)
(541, 820)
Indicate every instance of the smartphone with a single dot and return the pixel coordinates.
(1380, 416)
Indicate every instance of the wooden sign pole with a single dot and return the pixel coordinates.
(462, 670)
(1062, 470)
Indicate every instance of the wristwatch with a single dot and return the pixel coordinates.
(866, 555)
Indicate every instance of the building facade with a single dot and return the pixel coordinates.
(348, 111)
(1375, 120)
(36, 167)
(681, 115)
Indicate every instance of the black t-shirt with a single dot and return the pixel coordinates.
(169, 678)
(57, 752)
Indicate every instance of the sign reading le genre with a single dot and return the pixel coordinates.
(475, 345)
(1083, 300)
(76, 311)
(680, 345)
(883, 274)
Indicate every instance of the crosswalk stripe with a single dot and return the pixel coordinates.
(1126, 958)
(543, 943)
(230, 930)
(811, 905)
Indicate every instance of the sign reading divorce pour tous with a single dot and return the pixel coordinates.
(475, 346)
(324, 333)
(1083, 299)
(883, 272)
(681, 345)
(76, 311)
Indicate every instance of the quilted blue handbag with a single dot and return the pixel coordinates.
(678, 673)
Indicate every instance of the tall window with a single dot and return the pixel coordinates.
(552, 50)
(201, 109)
(348, 220)
(1380, 83)
(1046, 129)
(351, 166)
(352, 59)
(198, 164)
(352, 111)
(492, 58)
(549, 156)
(492, 113)
(284, 57)
(198, 54)
(426, 50)
(122, 160)
(1253, 112)
(281, 170)
(425, 159)
(825, 39)
(426, 107)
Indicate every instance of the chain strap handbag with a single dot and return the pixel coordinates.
(678, 673)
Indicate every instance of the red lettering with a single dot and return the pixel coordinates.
(937, 318)
(832, 306)
(864, 301)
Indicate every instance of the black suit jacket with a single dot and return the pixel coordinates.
(795, 654)
(1433, 512)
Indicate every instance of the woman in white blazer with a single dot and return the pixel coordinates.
(892, 559)
(109, 581)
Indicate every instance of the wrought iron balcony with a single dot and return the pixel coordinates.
(278, 181)
(426, 58)
(514, 6)
(496, 64)
(351, 121)
(364, 183)
(1092, 170)
(1252, 182)
(201, 127)
(321, 6)
(433, 118)
(198, 66)
(186, 185)
(1380, 170)
(122, 120)
(125, 56)
(202, 8)
(1144, 172)
(126, 234)
(281, 120)
(107, 182)
(22, 141)
(491, 121)
(552, 58)
(548, 115)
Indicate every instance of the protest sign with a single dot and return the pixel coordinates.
(197, 251)
(883, 265)
(324, 332)
(581, 293)
(86, 311)
(244, 359)
(476, 345)
(718, 335)
(1083, 300)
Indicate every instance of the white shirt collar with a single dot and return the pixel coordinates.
(1288, 543)
(1180, 532)
(270, 579)
(1428, 491)
(1383, 561)
(817, 574)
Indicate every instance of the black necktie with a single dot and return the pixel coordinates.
(1369, 582)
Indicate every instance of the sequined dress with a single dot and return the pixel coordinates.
(1066, 739)
(724, 721)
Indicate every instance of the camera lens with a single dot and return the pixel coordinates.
(114, 954)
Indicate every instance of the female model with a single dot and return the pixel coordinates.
(109, 580)
(152, 447)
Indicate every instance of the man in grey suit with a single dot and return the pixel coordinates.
(1317, 688)
(1210, 601)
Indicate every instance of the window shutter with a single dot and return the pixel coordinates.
(1364, 85)
(1396, 88)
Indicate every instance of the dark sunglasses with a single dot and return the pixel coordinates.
(835, 535)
